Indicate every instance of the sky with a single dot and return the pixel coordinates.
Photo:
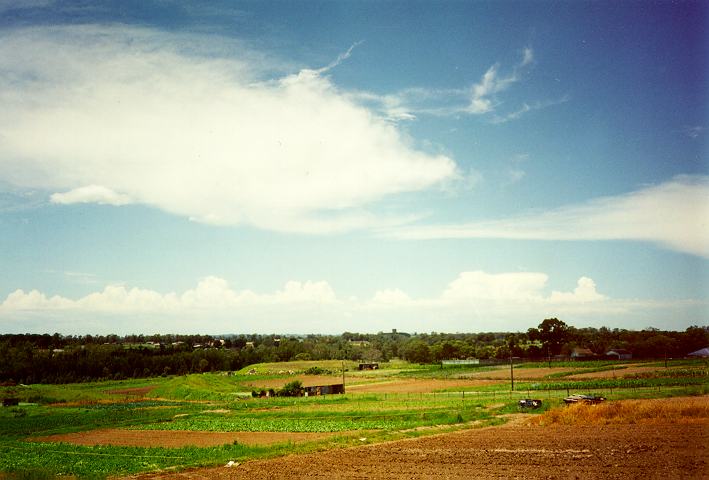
(320, 167)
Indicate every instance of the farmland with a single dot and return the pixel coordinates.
(120, 428)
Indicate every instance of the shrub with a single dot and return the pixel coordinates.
(18, 412)
(291, 389)
(317, 371)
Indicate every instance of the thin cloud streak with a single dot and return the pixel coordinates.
(674, 215)
(480, 99)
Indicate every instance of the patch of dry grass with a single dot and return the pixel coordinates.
(666, 410)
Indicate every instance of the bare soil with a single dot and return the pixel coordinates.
(415, 385)
(176, 438)
(664, 451)
(307, 381)
(137, 391)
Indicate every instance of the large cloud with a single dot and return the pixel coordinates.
(113, 115)
(673, 214)
(474, 301)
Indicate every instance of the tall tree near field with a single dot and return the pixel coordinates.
(552, 332)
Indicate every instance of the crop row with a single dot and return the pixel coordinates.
(339, 423)
(46, 460)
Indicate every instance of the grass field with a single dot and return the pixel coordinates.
(398, 401)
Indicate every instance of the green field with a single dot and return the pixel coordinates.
(376, 408)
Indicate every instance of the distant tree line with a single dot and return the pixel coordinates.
(34, 358)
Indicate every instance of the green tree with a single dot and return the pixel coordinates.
(417, 351)
(552, 332)
(291, 389)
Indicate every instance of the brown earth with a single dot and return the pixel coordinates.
(664, 451)
(137, 391)
(307, 380)
(176, 438)
(414, 385)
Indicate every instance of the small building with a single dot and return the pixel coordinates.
(579, 353)
(368, 366)
(701, 353)
(10, 402)
(324, 389)
(467, 361)
(619, 354)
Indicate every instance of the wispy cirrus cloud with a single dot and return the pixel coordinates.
(117, 115)
(484, 93)
(526, 108)
(674, 215)
(694, 131)
(480, 99)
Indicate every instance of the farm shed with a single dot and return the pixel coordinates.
(702, 353)
(368, 366)
(579, 353)
(469, 361)
(619, 354)
(324, 389)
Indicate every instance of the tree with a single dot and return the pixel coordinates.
(203, 365)
(552, 332)
(695, 338)
(417, 351)
(291, 389)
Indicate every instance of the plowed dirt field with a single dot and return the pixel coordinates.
(415, 385)
(665, 451)
(176, 438)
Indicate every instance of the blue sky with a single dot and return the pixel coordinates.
(301, 167)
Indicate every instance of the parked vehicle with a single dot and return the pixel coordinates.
(530, 403)
(592, 399)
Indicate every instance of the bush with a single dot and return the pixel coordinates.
(317, 371)
(291, 389)
(18, 412)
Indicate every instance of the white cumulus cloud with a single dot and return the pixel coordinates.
(116, 115)
(91, 194)
(473, 301)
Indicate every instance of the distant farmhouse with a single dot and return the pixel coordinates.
(619, 354)
(324, 389)
(579, 353)
(469, 361)
(701, 353)
(368, 366)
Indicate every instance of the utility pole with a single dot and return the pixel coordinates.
(343, 376)
(512, 373)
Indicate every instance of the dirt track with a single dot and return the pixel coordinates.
(594, 452)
